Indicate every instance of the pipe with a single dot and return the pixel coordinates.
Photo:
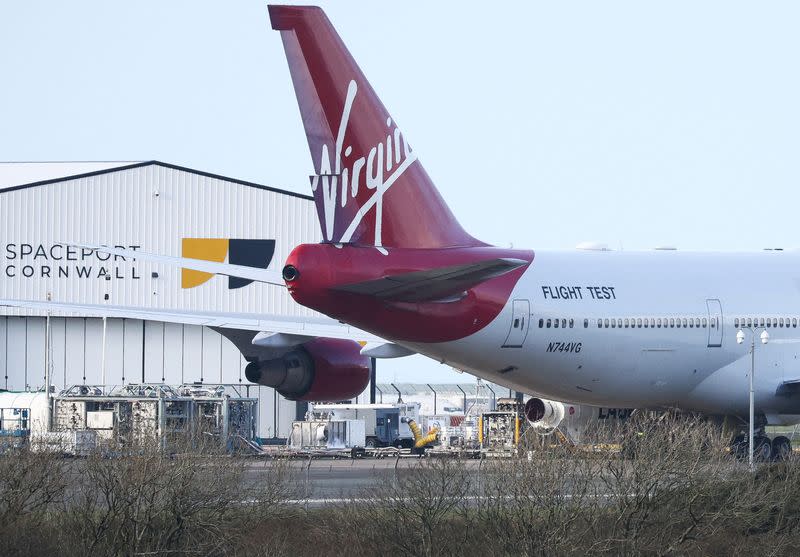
(480, 431)
(420, 440)
(373, 366)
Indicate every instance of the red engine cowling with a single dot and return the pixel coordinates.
(324, 369)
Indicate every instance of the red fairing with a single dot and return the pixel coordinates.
(371, 186)
(340, 371)
(322, 267)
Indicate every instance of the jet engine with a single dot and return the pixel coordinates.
(574, 420)
(544, 415)
(323, 369)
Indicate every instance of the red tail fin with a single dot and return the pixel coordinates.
(370, 189)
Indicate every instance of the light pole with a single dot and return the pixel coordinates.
(764, 340)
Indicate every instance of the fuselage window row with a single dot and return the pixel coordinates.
(765, 322)
(639, 323)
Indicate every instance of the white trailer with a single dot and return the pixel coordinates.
(383, 423)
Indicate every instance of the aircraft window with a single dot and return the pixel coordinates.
(619, 323)
(555, 323)
(705, 322)
(658, 322)
(736, 322)
(606, 324)
(750, 322)
(541, 323)
(613, 323)
(678, 322)
(571, 323)
(646, 323)
(599, 323)
(794, 322)
(563, 323)
(652, 322)
(774, 321)
(780, 322)
(672, 322)
(549, 323)
(762, 321)
(684, 322)
(585, 323)
(769, 322)
(697, 322)
(516, 323)
(627, 322)
(639, 322)
(691, 322)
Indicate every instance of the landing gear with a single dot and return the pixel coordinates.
(764, 450)
(781, 448)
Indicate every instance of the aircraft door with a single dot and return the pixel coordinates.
(714, 323)
(520, 316)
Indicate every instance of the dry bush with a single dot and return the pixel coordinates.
(148, 501)
(421, 509)
(32, 488)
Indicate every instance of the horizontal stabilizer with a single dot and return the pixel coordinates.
(240, 271)
(301, 329)
(433, 284)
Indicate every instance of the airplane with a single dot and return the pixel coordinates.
(634, 329)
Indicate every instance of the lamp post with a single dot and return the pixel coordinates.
(764, 340)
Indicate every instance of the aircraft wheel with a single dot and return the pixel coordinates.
(762, 450)
(781, 448)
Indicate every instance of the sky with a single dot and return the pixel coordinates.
(543, 124)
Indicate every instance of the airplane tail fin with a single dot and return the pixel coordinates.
(369, 187)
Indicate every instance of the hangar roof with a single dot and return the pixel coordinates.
(18, 175)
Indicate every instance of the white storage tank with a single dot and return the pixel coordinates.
(23, 411)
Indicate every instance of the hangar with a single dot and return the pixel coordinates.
(154, 207)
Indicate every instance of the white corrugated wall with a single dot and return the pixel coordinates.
(153, 207)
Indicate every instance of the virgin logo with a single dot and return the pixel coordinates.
(342, 180)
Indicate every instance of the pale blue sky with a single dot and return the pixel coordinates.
(544, 124)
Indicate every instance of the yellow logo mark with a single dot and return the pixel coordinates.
(208, 249)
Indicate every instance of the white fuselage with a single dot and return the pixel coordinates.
(648, 361)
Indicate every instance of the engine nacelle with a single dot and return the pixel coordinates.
(544, 415)
(572, 419)
(324, 369)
